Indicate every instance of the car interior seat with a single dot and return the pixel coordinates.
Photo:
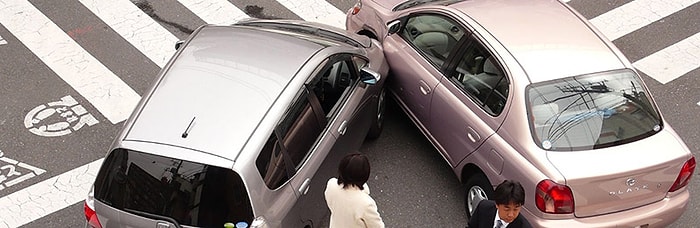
(437, 44)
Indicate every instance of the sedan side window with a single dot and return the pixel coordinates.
(480, 75)
(434, 36)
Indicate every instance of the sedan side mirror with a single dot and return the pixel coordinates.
(394, 26)
(178, 44)
(369, 76)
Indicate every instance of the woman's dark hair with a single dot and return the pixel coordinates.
(353, 170)
(509, 191)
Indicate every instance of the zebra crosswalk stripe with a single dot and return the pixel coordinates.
(144, 33)
(317, 11)
(102, 88)
(672, 61)
(215, 11)
(635, 15)
(48, 196)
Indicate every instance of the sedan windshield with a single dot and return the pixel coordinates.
(591, 111)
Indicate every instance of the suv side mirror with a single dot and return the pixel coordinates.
(178, 44)
(394, 26)
(369, 76)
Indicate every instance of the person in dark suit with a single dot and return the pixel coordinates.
(503, 211)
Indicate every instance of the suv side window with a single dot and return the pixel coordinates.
(434, 36)
(292, 140)
(479, 75)
(333, 83)
(301, 127)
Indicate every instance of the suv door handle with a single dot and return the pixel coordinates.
(304, 186)
(343, 127)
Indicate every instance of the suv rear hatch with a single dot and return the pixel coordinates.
(135, 189)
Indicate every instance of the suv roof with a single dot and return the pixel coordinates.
(219, 88)
(545, 37)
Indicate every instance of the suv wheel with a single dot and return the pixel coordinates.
(378, 123)
(478, 189)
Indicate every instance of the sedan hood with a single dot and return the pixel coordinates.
(622, 177)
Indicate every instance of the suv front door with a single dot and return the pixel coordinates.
(337, 90)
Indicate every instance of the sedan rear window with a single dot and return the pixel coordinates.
(191, 193)
(591, 111)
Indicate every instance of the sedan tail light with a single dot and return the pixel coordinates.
(90, 214)
(356, 9)
(684, 176)
(554, 198)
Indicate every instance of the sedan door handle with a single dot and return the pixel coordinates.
(343, 127)
(304, 186)
(424, 88)
(472, 135)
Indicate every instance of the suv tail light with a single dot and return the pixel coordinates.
(684, 176)
(259, 222)
(554, 198)
(90, 214)
(356, 9)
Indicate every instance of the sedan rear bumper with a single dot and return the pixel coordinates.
(659, 214)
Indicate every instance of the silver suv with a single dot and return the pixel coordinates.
(244, 125)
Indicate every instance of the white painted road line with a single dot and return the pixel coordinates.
(215, 11)
(635, 15)
(316, 11)
(46, 197)
(104, 90)
(144, 33)
(673, 61)
(2, 41)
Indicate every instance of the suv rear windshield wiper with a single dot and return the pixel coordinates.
(154, 216)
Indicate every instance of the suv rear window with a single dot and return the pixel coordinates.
(591, 111)
(193, 194)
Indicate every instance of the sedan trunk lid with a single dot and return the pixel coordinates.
(621, 177)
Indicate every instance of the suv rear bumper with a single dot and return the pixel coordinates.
(658, 214)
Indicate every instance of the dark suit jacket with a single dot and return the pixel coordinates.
(486, 212)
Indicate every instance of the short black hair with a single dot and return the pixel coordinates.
(509, 191)
(353, 170)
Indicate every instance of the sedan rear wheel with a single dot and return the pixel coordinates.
(478, 189)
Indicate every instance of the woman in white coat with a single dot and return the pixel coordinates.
(348, 195)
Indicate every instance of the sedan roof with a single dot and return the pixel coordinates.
(220, 87)
(547, 39)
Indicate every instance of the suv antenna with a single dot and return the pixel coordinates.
(189, 127)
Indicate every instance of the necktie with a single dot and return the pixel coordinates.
(499, 224)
